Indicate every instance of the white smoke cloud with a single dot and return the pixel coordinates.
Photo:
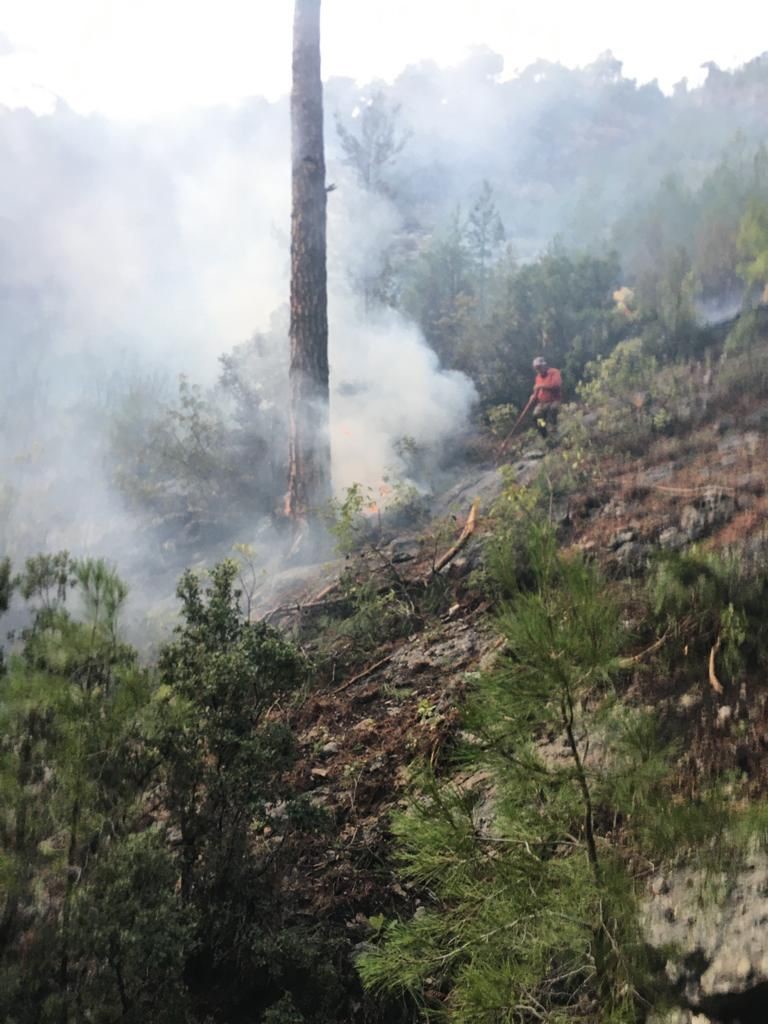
(155, 250)
(387, 385)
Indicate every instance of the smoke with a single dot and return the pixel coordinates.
(135, 253)
(387, 386)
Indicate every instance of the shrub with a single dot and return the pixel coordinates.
(632, 399)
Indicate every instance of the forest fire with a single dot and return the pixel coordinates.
(318, 704)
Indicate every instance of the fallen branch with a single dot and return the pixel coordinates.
(313, 605)
(633, 659)
(714, 682)
(325, 592)
(466, 533)
(362, 675)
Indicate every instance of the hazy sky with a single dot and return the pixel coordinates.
(139, 58)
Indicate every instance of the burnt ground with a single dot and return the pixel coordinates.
(377, 710)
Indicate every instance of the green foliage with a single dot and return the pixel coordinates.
(135, 935)
(355, 518)
(531, 868)
(502, 418)
(744, 335)
(374, 615)
(345, 519)
(46, 579)
(507, 548)
(71, 706)
(222, 756)
(630, 398)
(200, 465)
(439, 293)
(706, 600)
(176, 459)
(6, 584)
(534, 912)
(753, 245)
(485, 234)
(681, 243)
(137, 880)
(743, 371)
(490, 322)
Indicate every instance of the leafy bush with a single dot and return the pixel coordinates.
(502, 418)
(744, 335)
(743, 369)
(630, 398)
(205, 462)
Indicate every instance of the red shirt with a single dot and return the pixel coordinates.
(548, 385)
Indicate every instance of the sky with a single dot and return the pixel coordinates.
(141, 59)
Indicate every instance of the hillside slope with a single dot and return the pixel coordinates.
(394, 683)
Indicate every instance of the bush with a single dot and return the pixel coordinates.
(632, 399)
(713, 605)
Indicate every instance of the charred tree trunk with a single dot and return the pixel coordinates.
(309, 486)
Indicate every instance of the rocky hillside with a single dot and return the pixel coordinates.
(401, 625)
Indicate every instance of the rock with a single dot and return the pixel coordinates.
(719, 946)
(688, 701)
(362, 949)
(671, 539)
(403, 549)
(622, 537)
(738, 442)
(724, 714)
(656, 473)
(329, 748)
(485, 484)
(679, 1017)
(693, 523)
(711, 510)
(615, 508)
(632, 556)
(458, 567)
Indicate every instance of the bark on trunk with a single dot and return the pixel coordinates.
(309, 486)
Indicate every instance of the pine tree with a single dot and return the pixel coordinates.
(531, 910)
(309, 486)
(70, 759)
(485, 233)
(373, 148)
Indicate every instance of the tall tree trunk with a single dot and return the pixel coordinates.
(309, 486)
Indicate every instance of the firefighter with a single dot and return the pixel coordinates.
(547, 393)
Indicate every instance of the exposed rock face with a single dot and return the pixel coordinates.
(714, 508)
(680, 1017)
(719, 929)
